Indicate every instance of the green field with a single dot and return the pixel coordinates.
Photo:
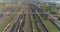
(48, 24)
(51, 9)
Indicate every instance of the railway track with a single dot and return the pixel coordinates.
(15, 25)
(41, 23)
(38, 20)
(8, 25)
(46, 16)
(33, 23)
(10, 10)
(8, 15)
(54, 24)
(22, 22)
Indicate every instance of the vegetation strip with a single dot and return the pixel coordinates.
(48, 24)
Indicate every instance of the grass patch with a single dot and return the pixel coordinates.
(48, 25)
